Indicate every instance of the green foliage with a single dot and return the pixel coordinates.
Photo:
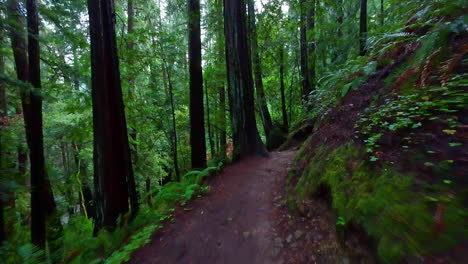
(382, 201)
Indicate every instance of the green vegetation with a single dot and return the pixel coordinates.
(113, 114)
(383, 202)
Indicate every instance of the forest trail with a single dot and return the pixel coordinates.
(244, 219)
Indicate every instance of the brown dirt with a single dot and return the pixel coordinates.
(244, 220)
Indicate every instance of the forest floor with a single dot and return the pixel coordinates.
(244, 219)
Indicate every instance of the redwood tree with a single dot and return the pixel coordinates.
(257, 71)
(363, 28)
(246, 138)
(42, 201)
(112, 162)
(197, 123)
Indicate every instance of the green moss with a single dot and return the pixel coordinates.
(383, 201)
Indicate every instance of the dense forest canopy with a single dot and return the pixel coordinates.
(112, 112)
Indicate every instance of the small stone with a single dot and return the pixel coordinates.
(298, 234)
(345, 260)
(246, 234)
(289, 238)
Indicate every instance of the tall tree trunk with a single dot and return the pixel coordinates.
(382, 13)
(311, 43)
(363, 28)
(42, 200)
(197, 122)
(112, 162)
(245, 135)
(210, 134)
(282, 88)
(257, 70)
(306, 87)
(132, 190)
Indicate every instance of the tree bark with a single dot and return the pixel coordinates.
(382, 13)
(306, 87)
(112, 161)
(246, 138)
(42, 200)
(257, 70)
(197, 122)
(282, 89)
(363, 28)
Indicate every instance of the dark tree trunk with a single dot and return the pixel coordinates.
(132, 190)
(257, 70)
(363, 28)
(306, 87)
(197, 122)
(382, 13)
(112, 162)
(42, 200)
(311, 43)
(282, 88)
(245, 135)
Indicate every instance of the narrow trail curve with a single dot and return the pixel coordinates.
(244, 220)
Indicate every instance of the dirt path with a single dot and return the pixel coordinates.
(244, 220)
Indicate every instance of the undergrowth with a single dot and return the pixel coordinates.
(383, 202)
(80, 246)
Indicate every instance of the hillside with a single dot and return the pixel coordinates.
(390, 157)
